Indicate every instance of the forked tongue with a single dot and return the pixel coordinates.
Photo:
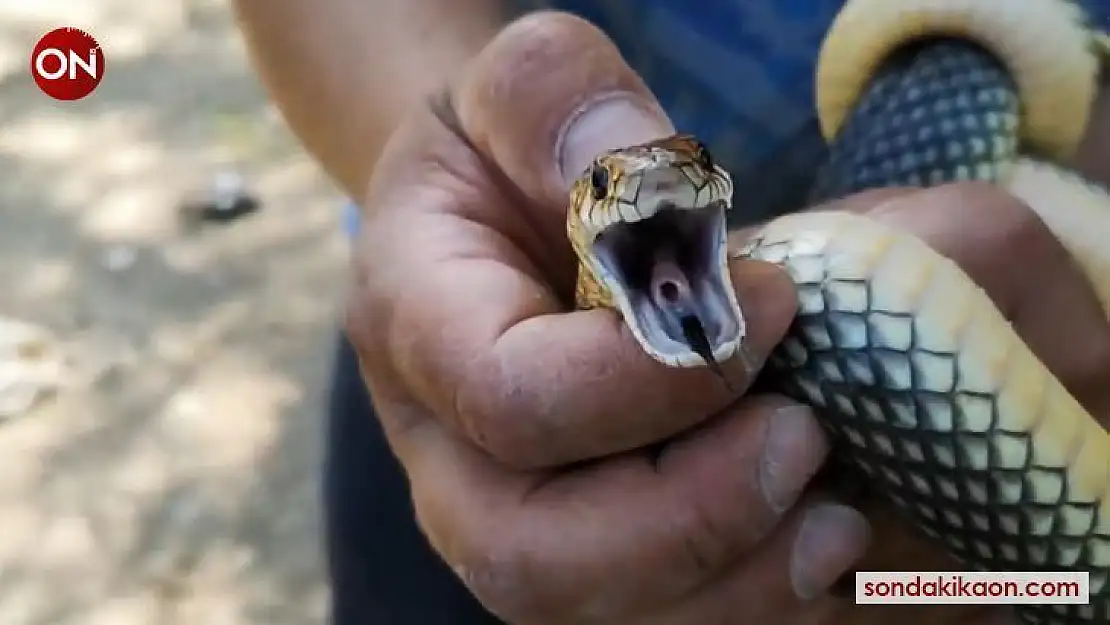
(673, 295)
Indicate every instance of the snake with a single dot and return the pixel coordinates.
(925, 387)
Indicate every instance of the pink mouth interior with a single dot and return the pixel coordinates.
(669, 267)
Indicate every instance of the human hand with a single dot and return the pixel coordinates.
(492, 395)
(523, 426)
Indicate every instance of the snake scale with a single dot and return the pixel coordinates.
(924, 385)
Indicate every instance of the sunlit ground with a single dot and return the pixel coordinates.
(173, 477)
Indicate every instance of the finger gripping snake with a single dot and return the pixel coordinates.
(923, 383)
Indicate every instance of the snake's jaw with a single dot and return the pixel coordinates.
(665, 299)
(653, 244)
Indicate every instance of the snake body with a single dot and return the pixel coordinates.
(925, 386)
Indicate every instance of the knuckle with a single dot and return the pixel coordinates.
(483, 552)
(1006, 224)
(1019, 223)
(498, 415)
(711, 544)
(497, 577)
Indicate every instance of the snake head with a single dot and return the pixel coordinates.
(648, 225)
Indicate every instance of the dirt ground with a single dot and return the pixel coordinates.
(172, 478)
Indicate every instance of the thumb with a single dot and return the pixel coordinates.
(546, 96)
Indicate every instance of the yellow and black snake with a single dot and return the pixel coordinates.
(924, 384)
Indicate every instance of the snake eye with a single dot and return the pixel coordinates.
(703, 155)
(599, 180)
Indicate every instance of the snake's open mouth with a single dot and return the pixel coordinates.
(670, 275)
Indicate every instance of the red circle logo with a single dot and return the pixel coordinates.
(67, 64)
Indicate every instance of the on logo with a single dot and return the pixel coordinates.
(67, 64)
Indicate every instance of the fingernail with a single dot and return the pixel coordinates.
(794, 449)
(832, 538)
(606, 122)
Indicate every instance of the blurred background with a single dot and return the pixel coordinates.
(161, 379)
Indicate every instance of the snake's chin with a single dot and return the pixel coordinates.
(688, 246)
